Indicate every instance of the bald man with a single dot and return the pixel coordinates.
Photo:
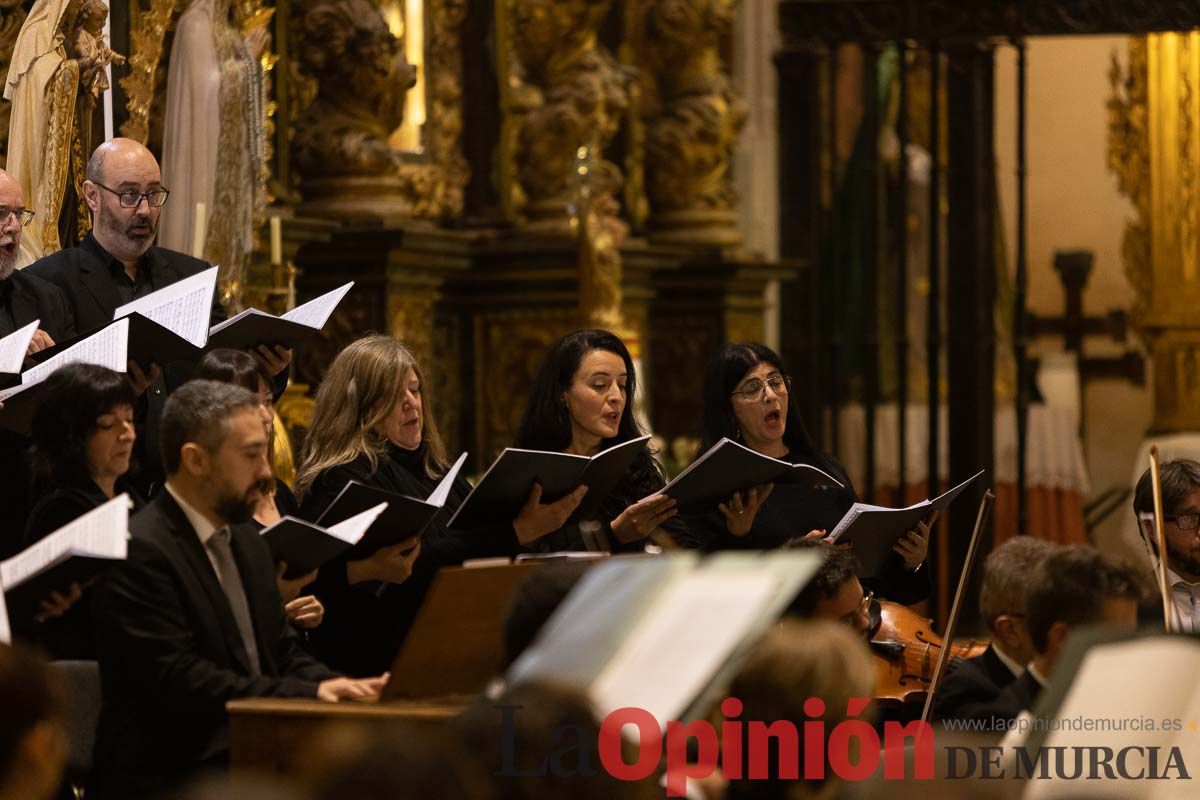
(117, 262)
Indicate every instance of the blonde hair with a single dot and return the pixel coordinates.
(358, 392)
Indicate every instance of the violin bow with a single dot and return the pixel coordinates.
(1161, 538)
(985, 508)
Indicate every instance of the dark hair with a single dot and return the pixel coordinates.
(534, 601)
(541, 718)
(30, 693)
(838, 567)
(1070, 585)
(75, 396)
(199, 411)
(546, 424)
(726, 370)
(233, 366)
(1178, 479)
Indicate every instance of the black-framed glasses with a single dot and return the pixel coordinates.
(1185, 522)
(23, 215)
(155, 198)
(755, 388)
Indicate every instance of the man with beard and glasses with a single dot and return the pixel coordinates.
(23, 299)
(117, 263)
(193, 618)
(1181, 527)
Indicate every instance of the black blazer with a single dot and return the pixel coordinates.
(365, 626)
(70, 636)
(1018, 696)
(31, 298)
(26, 298)
(971, 686)
(171, 657)
(84, 275)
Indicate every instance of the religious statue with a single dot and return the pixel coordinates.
(214, 141)
(55, 78)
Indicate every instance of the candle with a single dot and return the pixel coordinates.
(276, 240)
(198, 233)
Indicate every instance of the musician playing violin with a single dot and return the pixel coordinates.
(746, 399)
(1181, 528)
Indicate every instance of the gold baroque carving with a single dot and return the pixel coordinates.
(148, 26)
(341, 146)
(435, 186)
(509, 348)
(1129, 160)
(1154, 150)
(694, 116)
(560, 90)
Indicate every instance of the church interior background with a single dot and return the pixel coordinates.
(973, 236)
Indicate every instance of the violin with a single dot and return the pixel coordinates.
(906, 651)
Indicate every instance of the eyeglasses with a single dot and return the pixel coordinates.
(155, 198)
(1185, 522)
(755, 388)
(863, 609)
(23, 216)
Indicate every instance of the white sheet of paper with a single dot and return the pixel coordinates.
(249, 312)
(1118, 686)
(183, 307)
(351, 529)
(107, 348)
(439, 494)
(315, 313)
(102, 533)
(665, 664)
(14, 346)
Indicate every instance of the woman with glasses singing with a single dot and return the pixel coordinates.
(746, 399)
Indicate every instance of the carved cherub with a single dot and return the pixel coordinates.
(90, 48)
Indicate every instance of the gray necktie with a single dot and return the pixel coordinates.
(231, 582)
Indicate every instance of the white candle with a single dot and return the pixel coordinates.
(276, 240)
(199, 231)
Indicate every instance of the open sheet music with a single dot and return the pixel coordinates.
(627, 634)
(506, 485)
(1139, 697)
(873, 530)
(254, 327)
(305, 546)
(182, 308)
(72, 554)
(14, 347)
(107, 348)
(403, 518)
(729, 467)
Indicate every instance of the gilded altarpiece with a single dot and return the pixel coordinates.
(1154, 149)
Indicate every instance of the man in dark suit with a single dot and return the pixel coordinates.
(117, 263)
(1071, 587)
(23, 299)
(974, 683)
(193, 617)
